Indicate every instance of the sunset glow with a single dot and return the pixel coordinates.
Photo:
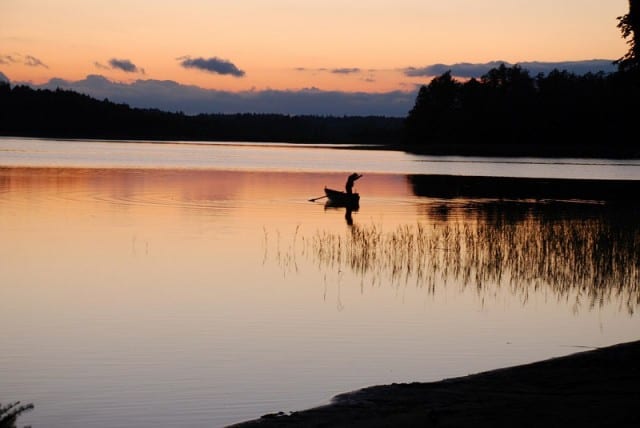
(290, 45)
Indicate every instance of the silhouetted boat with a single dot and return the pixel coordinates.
(339, 198)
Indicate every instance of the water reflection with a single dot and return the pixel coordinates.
(349, 209)
(457, 186)
(143, 285)
(587, 254)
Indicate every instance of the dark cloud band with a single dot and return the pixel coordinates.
(173, 96)
(466, 69)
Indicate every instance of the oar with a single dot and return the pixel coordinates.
(315, 199)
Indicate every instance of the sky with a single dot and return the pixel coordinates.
(259, 52)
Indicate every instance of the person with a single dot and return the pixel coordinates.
(350, 180)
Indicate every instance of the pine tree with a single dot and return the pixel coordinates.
(629, 25)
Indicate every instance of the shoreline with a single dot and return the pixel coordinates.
(558, 150)
(591, 388)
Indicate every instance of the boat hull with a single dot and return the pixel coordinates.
(339, 198)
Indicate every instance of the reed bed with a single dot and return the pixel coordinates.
(587, 262)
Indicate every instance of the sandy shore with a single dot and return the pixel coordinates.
(597, 388)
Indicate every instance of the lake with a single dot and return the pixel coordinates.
(150, 284)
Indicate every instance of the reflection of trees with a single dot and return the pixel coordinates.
(522, 188)
(593, 258)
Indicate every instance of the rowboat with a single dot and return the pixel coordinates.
(339, 198)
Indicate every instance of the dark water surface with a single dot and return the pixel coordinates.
(148, 285)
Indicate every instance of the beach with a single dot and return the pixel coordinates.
(594, 388)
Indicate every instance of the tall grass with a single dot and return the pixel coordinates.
(586, 262)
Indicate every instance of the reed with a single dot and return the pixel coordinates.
(589, 261)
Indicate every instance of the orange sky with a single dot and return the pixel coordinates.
(291, 44)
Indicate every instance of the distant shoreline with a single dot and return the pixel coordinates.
(507, 113)
(497, 150)
(588, 389)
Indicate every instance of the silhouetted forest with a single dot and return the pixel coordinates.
(505, 112)
(25, 111)
(508, 111)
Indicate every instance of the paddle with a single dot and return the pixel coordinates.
(315, 199)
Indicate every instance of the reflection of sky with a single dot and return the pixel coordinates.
(283, 157)
(148, 295)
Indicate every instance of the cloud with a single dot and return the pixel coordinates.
(340, 70)
(7, 59)
(28, 60)
(577, 67)
(119, 64)
(211, 65)
(124, 65)
(466, 69)
(172, 96)
(345, 70)
(368, 76)
(32, 61)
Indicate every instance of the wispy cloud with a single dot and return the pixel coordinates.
(7, 59)
(339, 70)
(32, 61)
(173, 96)
(28, 60)
(469, 70)
(345, 70)
(211, 65)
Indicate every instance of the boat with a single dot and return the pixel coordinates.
(339, 198)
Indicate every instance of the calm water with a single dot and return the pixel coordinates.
(194, 285)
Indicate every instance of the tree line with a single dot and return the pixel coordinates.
(507, 110)
(25, 111)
